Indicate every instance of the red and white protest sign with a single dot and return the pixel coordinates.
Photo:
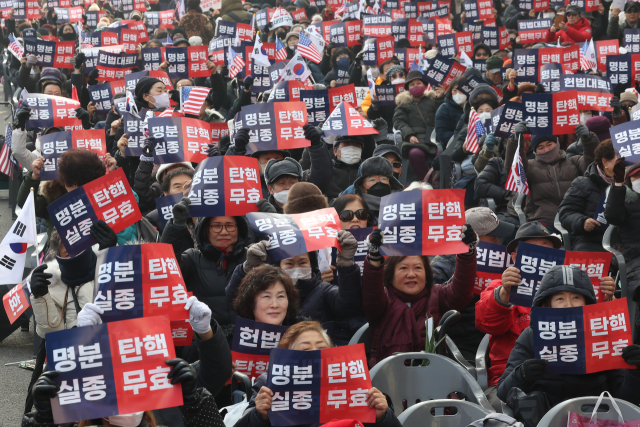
(346, 93)
(604, 48)
(17, 301)
(345, 120)
(595, 264)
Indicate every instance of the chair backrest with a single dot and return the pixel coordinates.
(488, 202)
(453, 352)
(420, 415)
(408, 385)
(518, 208)
(566, 240)
(482, 359)
(559, 414)
(611, 235)
(362, 336)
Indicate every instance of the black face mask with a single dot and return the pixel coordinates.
(396, 175)
(379, 190)
(68, 36)
(282, 35)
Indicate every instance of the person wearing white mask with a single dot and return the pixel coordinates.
(347, 157)
(280, 175)
(450, 112)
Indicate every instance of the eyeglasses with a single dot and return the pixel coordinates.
(373, 180)
(218, 227)
(346, 215)
(397, 76)
(396, 165)
(482, 54)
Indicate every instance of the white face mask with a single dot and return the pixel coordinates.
(636, 185)
(350, 155)
(459, 98)
(126, 420)
(162, 100)
(397, 81)
(584, 117)
(548, 15)
(299, 273)
(281, 197)
(561, 12)
(484, 116)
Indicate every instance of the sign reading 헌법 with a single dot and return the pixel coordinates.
(311, 387)
(139, 281)
(492, 260)
(582, 340)
(112, 368)
(54, 145)
(422, 223)
(291, 235)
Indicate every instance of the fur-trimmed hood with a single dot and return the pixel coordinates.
(406, 98)
(52, 190)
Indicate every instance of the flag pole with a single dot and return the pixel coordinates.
(35, 228)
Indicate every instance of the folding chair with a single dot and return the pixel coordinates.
(559, 414)
(420, 415)
(566, 240)
(363, 335)
(482, 363)
(518, 208)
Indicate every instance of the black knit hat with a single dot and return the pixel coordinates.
(144, 85)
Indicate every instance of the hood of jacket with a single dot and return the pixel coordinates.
(212, 116)
(406, 98)
(594, 176)
(230, 6)
(581, 24)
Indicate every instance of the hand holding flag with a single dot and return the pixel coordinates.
(236, 63)
(474, 131)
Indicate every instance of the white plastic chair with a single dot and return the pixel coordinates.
(420, 415)
(482, 357)
(559, 414)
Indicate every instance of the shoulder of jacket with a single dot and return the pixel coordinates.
(403, 98)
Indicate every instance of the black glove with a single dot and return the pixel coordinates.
(582, 131)
(83, 115)
(631, 355)
(533, 369)
(103, 234)
(43, 391)
(80, 58)
(520, 128)
(469, 237)
(180, 212)
(265, 206)
(359, 57)
(617, 107)
(619, 170)
(381, 126)
(212, 151)
(313, 134)
(93, 77)
(40, 281)
(539, 88)
(22, 116)
(175, 96)
(374, 241)
(149, 147)
(185, 374)
(241, 140)
(248, 81)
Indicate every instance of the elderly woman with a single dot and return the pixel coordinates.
(353, 212)
(398, 295)
(306, 336)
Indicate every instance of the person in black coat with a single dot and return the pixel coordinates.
(449, 112)
(490, 183)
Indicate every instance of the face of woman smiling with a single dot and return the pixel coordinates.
(409, 275)
(271, 305)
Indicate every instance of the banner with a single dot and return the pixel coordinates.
(287, 91)
(114, 66)
(422, 223)
(533, 30)
(492, 261)
(112, 368)
(361, 235)
(340, 94)
(569, 57)
(49, 110)
(605, 48)
(387, 93)
(534, 261)
(495, 37)
(51, 54)
(54, 145)
(582, 340)
(263, 17)
(626, 141)
(163, 19)
(17, 300)
(442, 70)
(93, 17)
(550, 77)
(312, 387)
(281, 18)
(594, 92)
(345, 120)
(179, 139)
(377, 50)
(108, 198)
(102, 95)
(274, 126)
(619, 69)
(376, 25)
(345, 34)
(317, 104)
(551, 114)
(185, 62)
(296, 234)
(134, 281)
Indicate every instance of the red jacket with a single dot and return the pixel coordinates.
(576, 33)
(504, 324)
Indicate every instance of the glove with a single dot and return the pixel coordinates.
(43, 391)
(533, 369)
(93, 77)
(90, 315)
(32, 60)
(256, 255)
(149, 147)
(212, 151)
(103, 234)
(619, 171)
(539, 88)
(175, 96)
(374, 241)
(185, 374)
(349, 249)
(582, 131)
(381, 126)
(83, 115)
(265, 206)
(40, 281)
(199, 315)
(469, 237)
(490, 142)
(79, 60)
(22, 116)
(631, 355)
(520, 128)
(241, 140)
(617, 107)
(313, 134)
(248, 81)
(181, 211)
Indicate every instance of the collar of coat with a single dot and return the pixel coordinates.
(406, 98)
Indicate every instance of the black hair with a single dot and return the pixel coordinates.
(394, 61)
(166, 181)
(453, 85)
(339, 52)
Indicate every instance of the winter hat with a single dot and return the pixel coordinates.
(471, 71)
(413, 75)
(535, 140)
(628, 96)
(483, 90)
(629, 171)
(277, 168)
(481, 46)
(378, 166)
(486, 223)
(176, 41)
(432, 53)
(43, 31)
(494, 64)
(167, 167)
(532, 230)
(600, 126)
(561, 278)
(347, 138)
(304, 197)
(627, 6)
(289, 35)
(144, 85)
(51, 74)
(383, 149)
(195, 41)
(394, 69)
(178, 30)
(572, 8)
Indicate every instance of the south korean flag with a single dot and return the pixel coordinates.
(13, 250)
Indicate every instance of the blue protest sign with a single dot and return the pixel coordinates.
(618, 69)
(626, 141)
(511, 115)
(525, 62)
(632, 40)
(447, 45)
(538, 112)
(533, 261)
(317, 102)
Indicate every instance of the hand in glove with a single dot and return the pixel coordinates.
(631, 355)
(199, 315)
(212, 151)
(90, 315)
(181, 211)
(520, 128)
(175, 96)
(32, 60)
(241, 140)
(149, 147)
(490, 142)
(533, 369)
(313, 134)
(83, 115)
(185, 374)
(40, 281)
(22, 116)
(349, 248)
(79, 60)
(374, 241)
(43, 391)
(539, 88)
(93, 77)
(469, 237)
(619, 171)
(617, 107)
(256, 255)
(582, 131)
(265, 206)
(248, 81)
(103, 234)
(383, 129)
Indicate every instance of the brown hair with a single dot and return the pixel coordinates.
(148, 417)
(259, 280)
(604, 150)
(294, 331)
(390, 268)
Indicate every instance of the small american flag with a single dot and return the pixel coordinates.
(192, 98)
(281, 52)
(517, 180)
(236, 63)
(588, 56)
(15, 48)
(308, 49)
(166, 113)
(6, 166)
(474, 131)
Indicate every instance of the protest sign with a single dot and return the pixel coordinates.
(230, 28)
(112, 368)
(252, 343)
(287, 91)
(376, 25)
(181, 332)
(51, 53)
(101, 39)
(17, 300)
(442, 70)
(582, 340)
(263, 17)
(317, 104)
(605, 48)
(49, 110)
(422, 223)
(114, 66)
(377, 50)
(470, 84)
(179, 139)
(165, 206)
(594, 92)
(447, 45)
(102, 95)
(387, 93)
(26, 9)
(550, 77)
(509, 117)
(262, 80)
(274, 125)
(533, 30)
(632, 40)
(54, 145)
(525, 62)
(626, 141)
(139, 281)
(152, 58)
(340, 94)
(495, 37)
(187, 62)
(492, 259)
(551, 114)
(131, 80)
(108, 198)
(162, 19)
(569, 57)
(345, 120)
(619, 69)
(296, 234)
(218, 130)
(361, 235)
(312, 387)
(91, 55)
(66, 15)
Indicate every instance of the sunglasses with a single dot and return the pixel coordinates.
(396, 165)
(633, 10)
(569, 15)
(346, 215)
(397, 76)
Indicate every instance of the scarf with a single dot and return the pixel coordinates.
(550, 156)
(79, 269)
(605, 178)
(218, 255)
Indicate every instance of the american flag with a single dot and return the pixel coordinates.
(517, 180)
(281, 52)
(474, 131)
(15, 48)
(308, 49)
(192, 98)
(588, 56)
(236, 63)
(6, 166)
(166, 113)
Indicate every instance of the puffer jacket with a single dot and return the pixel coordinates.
(235, 7)
(147, 187)
(548, 183)
(581, 203)
(343, 176)
(446, 120)
(416, 118)
(623, 211)
(491, 181)
(575, 33)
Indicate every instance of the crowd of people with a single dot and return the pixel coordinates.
(226, 267)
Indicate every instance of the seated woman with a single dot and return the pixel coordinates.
(307, 336)
(353, 212)
(398, 295)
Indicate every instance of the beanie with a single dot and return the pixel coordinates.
(304, 197)
(144, 86)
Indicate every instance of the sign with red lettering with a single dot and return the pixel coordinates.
(604, 48)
